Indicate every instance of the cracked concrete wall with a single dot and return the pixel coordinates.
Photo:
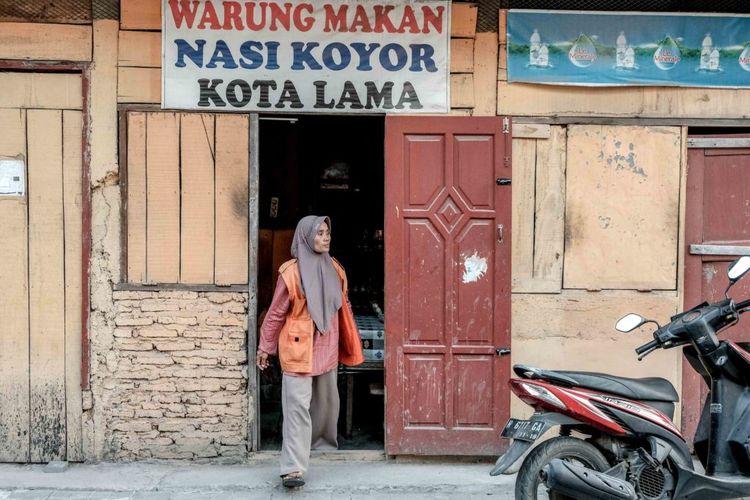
(105, 230)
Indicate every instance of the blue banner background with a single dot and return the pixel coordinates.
(677, 40)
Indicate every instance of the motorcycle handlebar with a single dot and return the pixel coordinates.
(647, 347)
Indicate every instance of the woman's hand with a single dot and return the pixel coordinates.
(261, 359)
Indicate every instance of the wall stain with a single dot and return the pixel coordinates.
(624, 160)
(239, 202)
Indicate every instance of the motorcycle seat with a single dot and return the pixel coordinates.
(649, 388)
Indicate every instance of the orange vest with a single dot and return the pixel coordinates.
(296, 337)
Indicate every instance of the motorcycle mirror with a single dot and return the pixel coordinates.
(738, 268)
(629, 322)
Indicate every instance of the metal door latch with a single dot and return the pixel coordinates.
(502, 181)
(502, 351)
(500, 233)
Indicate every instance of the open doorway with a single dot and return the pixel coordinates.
(334, 166)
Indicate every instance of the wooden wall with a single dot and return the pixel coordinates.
(187, 198)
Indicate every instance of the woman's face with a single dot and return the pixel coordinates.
(322, 242)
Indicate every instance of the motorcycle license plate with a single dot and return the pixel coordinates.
(523, 430)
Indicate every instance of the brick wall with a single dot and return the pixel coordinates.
(178, 376)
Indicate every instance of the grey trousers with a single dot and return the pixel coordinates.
(311, 411)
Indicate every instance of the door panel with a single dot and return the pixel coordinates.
(447, 237)
(46, 285)
(717, 213)
(41, 270)
(14, 328)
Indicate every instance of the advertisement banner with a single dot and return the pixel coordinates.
(384, 56)
(603, 48)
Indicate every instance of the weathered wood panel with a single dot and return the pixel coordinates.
(72, 167)
(522, 242)
(549, 225)
(40, 90)
(163, 198)
(139, 49)
(140, 14)
(136, 203)
(502, 35)
(538, 224)
(519, 99)
(197, 220)
(463, 20)
(575, 331)
(14, 328)
(622, 207)
(485, 74)
(462, 55)
(139, 85)
(530, 131)
(232, 153)
(462, 91)
(45, 42)
(46, 286)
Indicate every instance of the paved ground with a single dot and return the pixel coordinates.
(339, 476)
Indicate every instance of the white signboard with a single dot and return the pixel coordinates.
(12, 178)
(329, 56)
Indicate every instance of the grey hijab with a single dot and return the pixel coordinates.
(320, 282)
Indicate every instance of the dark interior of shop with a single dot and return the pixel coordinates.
(327, 165)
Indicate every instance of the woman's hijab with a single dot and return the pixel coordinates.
(320, 281)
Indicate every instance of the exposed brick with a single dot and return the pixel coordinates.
(232, 441)
(199, 385)
(132, 426)
(133, 345)
(213, 333)
(178, 320)
(175, 425)
(122, 332)
(235, 334)
(223, 399)
(195, 360)
(224, 321)
(153, 358)
(177, 294)
(158, 386)
(126, 320)
(149, 413)
(155, 331)
(175, 345)
(169, 452)
(219, 297)
(156, 305)
(145, 373)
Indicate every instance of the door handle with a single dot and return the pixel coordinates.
(502, 351)
(500, 233)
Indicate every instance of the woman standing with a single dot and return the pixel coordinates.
(310, 326)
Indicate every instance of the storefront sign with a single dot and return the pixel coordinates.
(628, 49)
(330, 56)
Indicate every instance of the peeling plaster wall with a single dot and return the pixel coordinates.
(105, 232)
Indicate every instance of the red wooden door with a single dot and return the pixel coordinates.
(717, 230)
(447, 284)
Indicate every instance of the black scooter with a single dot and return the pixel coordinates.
(626, 446)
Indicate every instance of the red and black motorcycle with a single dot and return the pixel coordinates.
(617, 439)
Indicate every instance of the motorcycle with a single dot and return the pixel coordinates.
(616, 437)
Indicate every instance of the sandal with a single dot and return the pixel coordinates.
(292, 480)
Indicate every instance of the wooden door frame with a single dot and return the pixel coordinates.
(84, 70)
(696, 145)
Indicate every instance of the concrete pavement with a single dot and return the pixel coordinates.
(341, 475)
